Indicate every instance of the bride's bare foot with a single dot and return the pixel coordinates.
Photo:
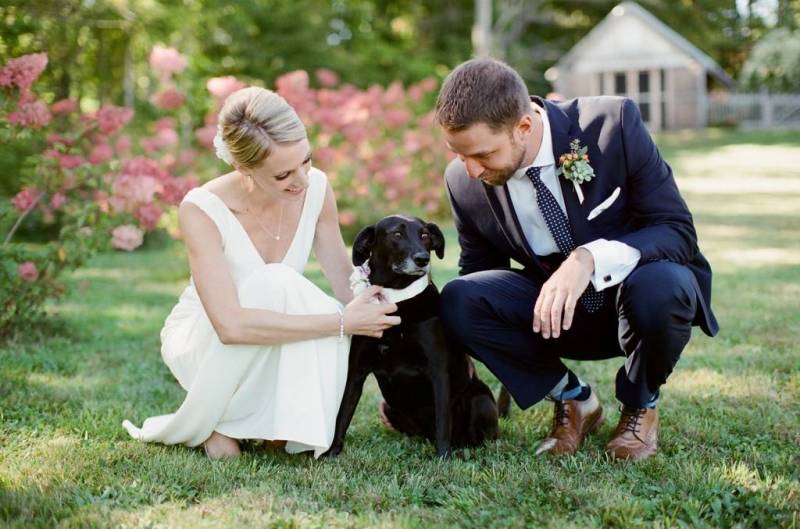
(220, 446)
(384, 418)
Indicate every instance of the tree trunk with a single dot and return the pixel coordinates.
(128, 82)
(482, 29)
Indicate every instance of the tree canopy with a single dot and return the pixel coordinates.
(98, 50)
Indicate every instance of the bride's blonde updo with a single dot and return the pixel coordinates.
(252, 120)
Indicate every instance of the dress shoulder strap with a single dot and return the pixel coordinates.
(317, 186)
(213, 207)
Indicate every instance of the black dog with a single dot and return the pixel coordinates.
(430, 390)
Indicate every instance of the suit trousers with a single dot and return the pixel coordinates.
(647, 319)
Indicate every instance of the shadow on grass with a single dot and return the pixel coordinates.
(711, 471)
(726, 455)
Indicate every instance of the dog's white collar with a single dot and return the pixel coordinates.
(394, 295)
(359, 281)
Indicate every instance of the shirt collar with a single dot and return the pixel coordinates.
(545, 155)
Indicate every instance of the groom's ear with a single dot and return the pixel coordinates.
(437, 239)
(362, 246)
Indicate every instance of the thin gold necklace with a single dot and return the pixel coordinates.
(275, 236)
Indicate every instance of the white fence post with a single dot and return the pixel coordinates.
(766, 109)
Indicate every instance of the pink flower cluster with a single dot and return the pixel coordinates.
(58, 200)
(26, 198)
(162, 139)
(166, 61)
(126, 237)
(110, 119)
(169, 99)
(28, 271)
(23, 71)
(219, 88)
(65, 161)
(64, 106)
(143, 187)
(327, 78)
(222, 87)
(101, 153)
(34, 114)
(378, 143)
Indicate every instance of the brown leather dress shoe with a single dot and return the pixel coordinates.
(636, 436)
(573, 420)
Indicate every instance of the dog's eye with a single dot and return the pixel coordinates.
(397, 235)
(425, 236)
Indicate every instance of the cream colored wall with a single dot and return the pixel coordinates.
(684, 99)
(590, 84)
(574, 85)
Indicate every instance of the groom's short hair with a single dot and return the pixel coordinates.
(482, 91)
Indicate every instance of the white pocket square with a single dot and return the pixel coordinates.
(603, 205)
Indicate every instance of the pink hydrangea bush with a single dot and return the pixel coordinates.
(105, 188)
(378, 146)
(57, 188)
(97, 185)
(22, 72)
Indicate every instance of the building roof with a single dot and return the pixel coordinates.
(651, 21)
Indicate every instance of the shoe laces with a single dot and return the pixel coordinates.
(632, 418)
(561, 415)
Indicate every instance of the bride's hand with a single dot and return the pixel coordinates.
(362, 316)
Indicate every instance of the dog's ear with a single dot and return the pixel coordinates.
(437, 239)
(363, 244)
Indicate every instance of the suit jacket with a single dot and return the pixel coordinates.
(649, 214)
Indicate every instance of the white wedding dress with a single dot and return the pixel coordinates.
(289, 391)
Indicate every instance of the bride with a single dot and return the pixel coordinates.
(260, 350)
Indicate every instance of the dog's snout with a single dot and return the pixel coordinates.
(422, 259)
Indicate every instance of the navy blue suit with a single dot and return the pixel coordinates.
(647, 318)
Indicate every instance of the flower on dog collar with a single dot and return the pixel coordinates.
(575, 166)
(359, 279)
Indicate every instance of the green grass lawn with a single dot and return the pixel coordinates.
(729, 449)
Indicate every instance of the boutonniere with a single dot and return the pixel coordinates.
(575, 166)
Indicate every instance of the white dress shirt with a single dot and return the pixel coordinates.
(613, 260)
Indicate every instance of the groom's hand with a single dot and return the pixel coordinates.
(560, 294)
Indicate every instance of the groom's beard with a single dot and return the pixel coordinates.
(498, 177)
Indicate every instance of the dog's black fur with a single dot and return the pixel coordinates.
(429, 389)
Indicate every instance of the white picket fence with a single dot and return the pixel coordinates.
(761, 110)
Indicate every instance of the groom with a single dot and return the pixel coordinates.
(611, 265)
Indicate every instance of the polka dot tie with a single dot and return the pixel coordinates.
(559, 228)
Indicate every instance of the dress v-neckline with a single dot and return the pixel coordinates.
(247, 235)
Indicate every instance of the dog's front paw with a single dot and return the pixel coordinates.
(333, 451)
